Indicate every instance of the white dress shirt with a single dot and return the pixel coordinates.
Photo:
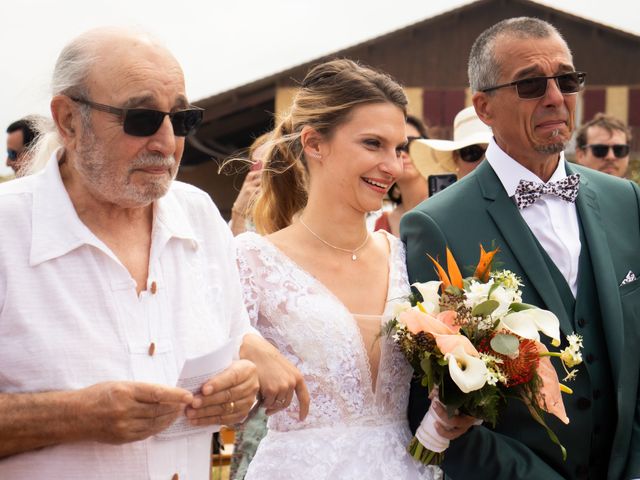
(70, 317)
(552, 220)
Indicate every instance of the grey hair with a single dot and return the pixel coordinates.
(70, 74)
(483, 68)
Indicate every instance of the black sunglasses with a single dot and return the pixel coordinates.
(12, 154)
(536, 87)
(405, 148)
(472, 153)
(601, 150)
(142, 122)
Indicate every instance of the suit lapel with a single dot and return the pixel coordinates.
(521, 242)
(605, 277)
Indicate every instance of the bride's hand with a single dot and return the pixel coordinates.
(451, 427)
(279, 379)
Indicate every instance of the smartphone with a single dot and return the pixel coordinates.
(437, 183)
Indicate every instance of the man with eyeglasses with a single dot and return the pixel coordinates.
(112, 275)
(570, 233)
(603, 144)
(20, 134)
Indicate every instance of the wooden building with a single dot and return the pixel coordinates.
(430, 59)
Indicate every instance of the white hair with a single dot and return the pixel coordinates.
(70, 75)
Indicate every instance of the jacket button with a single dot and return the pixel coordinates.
(582, 322)
(597, 429)
(590, 358)
(596, 393)
(583, 403)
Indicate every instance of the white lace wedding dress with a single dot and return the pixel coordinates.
(352, 431)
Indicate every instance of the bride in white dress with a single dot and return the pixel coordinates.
(320, 287)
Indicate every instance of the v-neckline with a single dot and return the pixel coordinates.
(350, 315)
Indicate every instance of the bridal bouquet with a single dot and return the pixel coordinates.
(473, 343)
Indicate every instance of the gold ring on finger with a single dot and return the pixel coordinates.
(281, 401)
(229, 407)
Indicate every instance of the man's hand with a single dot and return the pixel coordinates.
(122, 412)
(227, 397)
(279, 379)
(451, 427)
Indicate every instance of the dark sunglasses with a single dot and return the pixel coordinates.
(472, 153)
(142, 122)
(601, 150)
(405, 148)
(536, 87)
(12, 154)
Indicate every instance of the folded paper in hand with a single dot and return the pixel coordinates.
(195, 372)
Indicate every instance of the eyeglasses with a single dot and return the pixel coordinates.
(472, 153)
(12, 154)
(142, 122)
(405, 148)
(536, 87)
(602, 150)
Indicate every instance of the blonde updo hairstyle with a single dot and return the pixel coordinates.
(327, 96)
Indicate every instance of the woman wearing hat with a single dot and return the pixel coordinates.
(460, 155)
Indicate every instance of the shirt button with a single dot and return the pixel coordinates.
(582, 322)
(152, 349)
(154, 288)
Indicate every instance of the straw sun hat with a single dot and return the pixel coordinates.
(434, 157)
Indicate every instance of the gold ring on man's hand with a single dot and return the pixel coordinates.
(229, 407)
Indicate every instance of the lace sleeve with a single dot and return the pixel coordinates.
(246, 256)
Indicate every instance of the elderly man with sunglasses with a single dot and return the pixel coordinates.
(112, 275)
(571, 234)
(603, 144)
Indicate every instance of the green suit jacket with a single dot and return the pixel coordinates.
(477, 210)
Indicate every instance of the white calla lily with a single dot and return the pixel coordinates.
(400, 307)
(527, 323)
(469, 373)
(429, 292)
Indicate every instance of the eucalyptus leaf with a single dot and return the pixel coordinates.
(492, 289)
(485, 308)
(518, 307)
(505, 344)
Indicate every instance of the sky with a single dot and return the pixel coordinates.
(220, 43)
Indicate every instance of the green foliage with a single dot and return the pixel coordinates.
(505, 344)
(485, 308)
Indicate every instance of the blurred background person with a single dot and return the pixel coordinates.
(410, 187)
(20, 135)
(240, 211)
(460, 155)
(603, 144)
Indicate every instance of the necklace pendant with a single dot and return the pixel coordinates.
(353, 257)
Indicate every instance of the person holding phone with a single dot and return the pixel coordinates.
(410, 187)
(448, 160)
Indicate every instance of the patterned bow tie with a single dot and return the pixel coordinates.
(528, 192)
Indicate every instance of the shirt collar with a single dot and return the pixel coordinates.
(510, 172)
(57, 229)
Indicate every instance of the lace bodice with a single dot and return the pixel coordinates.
(317, 333)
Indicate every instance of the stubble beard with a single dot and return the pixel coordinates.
(116, 186)
(551, 148)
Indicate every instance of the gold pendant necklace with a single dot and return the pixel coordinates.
(353, 252)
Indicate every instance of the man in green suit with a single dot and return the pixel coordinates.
(571, 234)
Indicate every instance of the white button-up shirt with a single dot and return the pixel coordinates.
(552, 220)
(70, 317)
